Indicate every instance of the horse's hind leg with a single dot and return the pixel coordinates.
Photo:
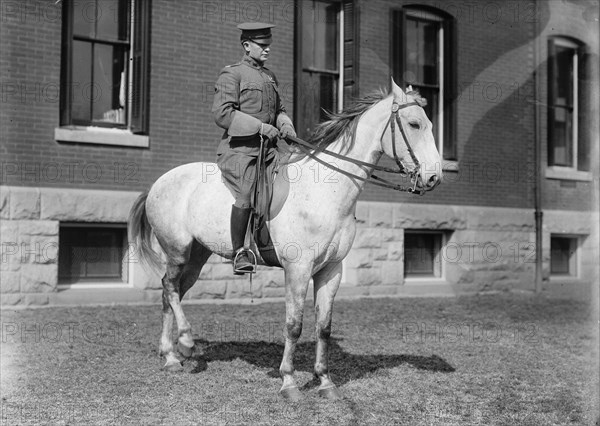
(326, 284)
(178, 279)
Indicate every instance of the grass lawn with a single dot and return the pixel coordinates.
(493, 360)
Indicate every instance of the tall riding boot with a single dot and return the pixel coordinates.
(239, 225)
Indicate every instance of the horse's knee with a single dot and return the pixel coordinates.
(324, 331)
(293, 329)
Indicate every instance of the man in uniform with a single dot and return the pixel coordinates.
(248, 106)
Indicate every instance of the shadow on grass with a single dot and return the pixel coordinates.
(343, 365)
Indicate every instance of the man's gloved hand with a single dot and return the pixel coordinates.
(287, 130)
(269, 131)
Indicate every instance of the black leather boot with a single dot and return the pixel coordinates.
(239, 224)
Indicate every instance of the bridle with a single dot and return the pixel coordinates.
(311, 150)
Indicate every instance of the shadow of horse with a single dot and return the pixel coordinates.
(348, 366)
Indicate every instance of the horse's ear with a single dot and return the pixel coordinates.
(395, 89)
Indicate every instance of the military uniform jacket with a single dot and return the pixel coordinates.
(246, 95)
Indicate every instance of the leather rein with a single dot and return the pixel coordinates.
(311, 150)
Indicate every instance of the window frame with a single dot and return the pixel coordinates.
(135, 132)
(579, 168)
(574, 258)
(346, 72)
(447, 70)
(438, 264)
(126, 270)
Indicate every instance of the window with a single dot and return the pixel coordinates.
(566, 148)
(423, 55)
(326, 67)
(563, 256)
(92, 254)
(105, 59)
(422, 254)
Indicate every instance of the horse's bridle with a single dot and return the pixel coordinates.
(395, 116)
(311, 149)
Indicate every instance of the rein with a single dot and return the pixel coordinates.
(311, 150)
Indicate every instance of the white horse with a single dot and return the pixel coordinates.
(188, 210)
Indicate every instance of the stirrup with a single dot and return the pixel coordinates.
(244, 271)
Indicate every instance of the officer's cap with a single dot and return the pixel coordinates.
(256, 31)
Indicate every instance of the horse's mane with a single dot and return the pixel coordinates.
(343, 124)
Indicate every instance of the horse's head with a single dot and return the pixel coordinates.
(408, 139)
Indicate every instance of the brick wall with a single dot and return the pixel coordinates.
(494, 122)
(192, 40)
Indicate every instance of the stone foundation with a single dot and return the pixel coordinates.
(483, 250)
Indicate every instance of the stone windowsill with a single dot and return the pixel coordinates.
(425, 281)
(566, 279)
(101, 136)
(450, 166)
(93, 285)
(566, 173)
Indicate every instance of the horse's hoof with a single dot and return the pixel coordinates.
(173, 367)
(291, 394)
(184, 350)
(331, 392)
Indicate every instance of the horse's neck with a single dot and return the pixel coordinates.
(366, 148)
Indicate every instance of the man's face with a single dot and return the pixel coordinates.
(258, 51)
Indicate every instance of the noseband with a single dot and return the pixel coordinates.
(309, 149)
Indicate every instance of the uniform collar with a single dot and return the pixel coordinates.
(252, 63)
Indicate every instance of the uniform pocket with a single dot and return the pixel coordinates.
(251, 96)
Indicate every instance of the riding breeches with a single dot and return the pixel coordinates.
(238, 168)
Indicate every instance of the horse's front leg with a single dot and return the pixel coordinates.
(326, 284)
(296, 285)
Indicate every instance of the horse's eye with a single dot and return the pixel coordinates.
(415, 125)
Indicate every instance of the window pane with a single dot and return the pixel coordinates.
(419, 254)
(112, 20)
(82, 88)
(562, 137)
(88, 253)
(560, 255)
(104, 254)
(421, 51)
(564, 77)
(319, 42)
(327, 95)
(431, 109)
(84, 17)
(110, 82)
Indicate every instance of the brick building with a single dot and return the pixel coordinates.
(100, 98)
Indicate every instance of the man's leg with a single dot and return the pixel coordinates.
(239, 225)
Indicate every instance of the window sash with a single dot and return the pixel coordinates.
(563, 256)
(129, 91)
(92, 253)
(563, 111)
(443, 116)
(422, 250)
(326, 42)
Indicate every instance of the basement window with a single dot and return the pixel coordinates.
(422, 254)
(92, 254)
(563, 256)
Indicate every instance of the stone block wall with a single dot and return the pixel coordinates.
(483, 250)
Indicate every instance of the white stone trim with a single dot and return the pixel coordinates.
(567, 173)
(101, 136)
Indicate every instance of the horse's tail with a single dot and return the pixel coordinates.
(140, 234)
